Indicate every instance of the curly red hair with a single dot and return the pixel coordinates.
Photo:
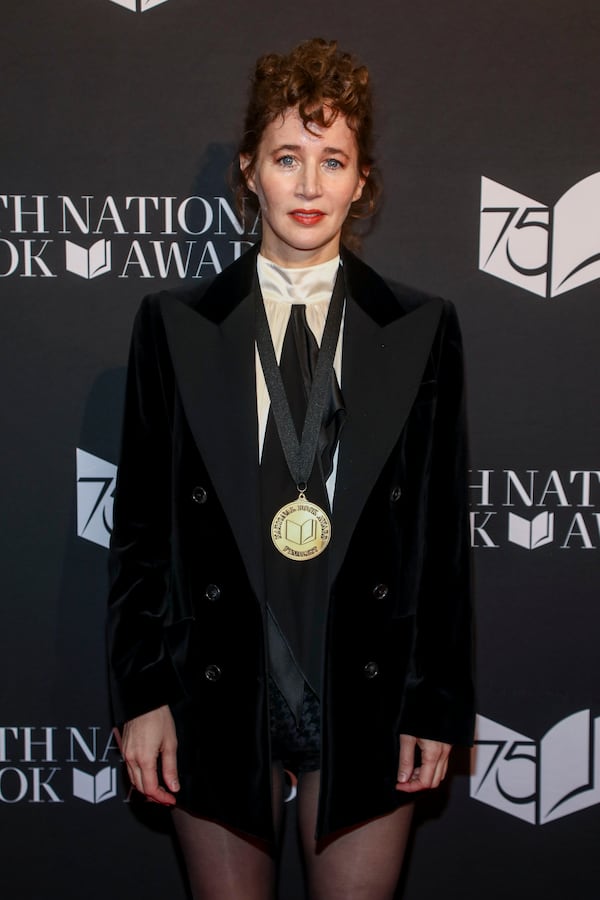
(322, 83)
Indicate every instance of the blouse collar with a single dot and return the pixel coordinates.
(311, 284)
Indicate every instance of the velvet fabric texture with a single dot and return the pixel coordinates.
(186, 613)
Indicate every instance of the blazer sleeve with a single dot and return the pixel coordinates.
(141, 674)
(439, 699)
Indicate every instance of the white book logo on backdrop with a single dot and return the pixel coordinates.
(538, 781)
(543, 250)
(531, 534)
(95, 788)
(88, 263)
(95, 488)
(138, 5)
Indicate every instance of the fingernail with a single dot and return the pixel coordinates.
(402, 777)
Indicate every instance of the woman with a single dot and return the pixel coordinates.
(289, 555)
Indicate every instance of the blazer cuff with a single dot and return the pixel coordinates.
(141, 692)
(437, 715)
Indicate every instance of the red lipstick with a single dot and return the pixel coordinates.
(307, 216)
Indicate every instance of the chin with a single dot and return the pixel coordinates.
(312, 241)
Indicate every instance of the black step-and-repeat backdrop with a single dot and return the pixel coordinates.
(119, 119)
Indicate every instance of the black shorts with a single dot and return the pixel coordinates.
(297, 747)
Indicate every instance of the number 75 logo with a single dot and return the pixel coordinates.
(96, 480)
(543, 250)
(538, 781)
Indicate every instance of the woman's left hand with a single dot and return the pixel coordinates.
(433, 768)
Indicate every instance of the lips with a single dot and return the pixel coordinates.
(307, 216)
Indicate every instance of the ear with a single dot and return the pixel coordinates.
(361, 183)
(244, 166)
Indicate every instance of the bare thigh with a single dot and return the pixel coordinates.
(361, 863)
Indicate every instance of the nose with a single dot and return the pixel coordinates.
(309, 182)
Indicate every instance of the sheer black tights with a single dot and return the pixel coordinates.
(224, 864)
(361, 863)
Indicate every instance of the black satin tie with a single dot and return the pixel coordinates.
(296, 592)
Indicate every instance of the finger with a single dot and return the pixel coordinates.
(433, 768)
(129, 753)
(149, 780)
(150, 786)
(412, 786)
(131, 774)
(439, 754)
(134, 773)
(169, 767)
(160, 795)
(406, 759)
(440, 772)
(415, 784)
(426, 773)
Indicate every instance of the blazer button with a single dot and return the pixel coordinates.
(199, 495)
(380, 591)
(212, 592)
(212, 673)
(371, 670)
(395, 494)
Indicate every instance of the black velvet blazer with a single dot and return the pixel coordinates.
(186, 616)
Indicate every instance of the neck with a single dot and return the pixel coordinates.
(297, 258)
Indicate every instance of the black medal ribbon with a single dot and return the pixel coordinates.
(300, 454)
(296, 596)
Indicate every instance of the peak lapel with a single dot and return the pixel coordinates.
(385, 351)
(214, 366)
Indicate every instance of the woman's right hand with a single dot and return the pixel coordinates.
(145, 739)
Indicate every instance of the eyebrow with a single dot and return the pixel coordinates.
(296, 148)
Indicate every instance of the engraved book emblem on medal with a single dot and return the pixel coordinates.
(301, 530)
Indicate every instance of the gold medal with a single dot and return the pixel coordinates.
(301, 530)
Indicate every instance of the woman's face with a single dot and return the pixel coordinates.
(305, 182)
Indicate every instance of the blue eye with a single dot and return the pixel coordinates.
(286, 161)
(333, 163)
